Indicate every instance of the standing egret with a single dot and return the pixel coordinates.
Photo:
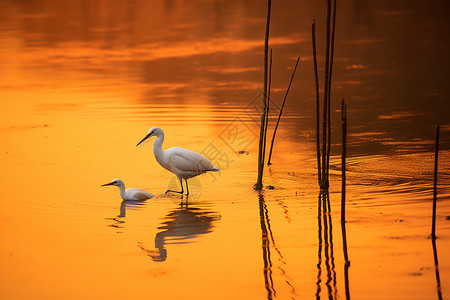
(183, 163)
(131, 194)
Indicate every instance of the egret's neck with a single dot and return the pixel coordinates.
(122, 190)
(157, 145)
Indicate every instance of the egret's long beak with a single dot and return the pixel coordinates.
(145, 137)
(107, 184)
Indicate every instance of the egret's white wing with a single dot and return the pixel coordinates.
(188, 161)
(139, 194)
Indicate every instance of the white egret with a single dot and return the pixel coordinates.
(183, 163)
(131, 194)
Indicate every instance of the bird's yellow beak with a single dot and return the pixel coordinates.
(145, 137)
(107, 184)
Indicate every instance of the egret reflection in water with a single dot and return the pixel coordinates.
(179, 226)
(126, 204)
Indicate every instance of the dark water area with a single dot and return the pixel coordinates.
(391, 57)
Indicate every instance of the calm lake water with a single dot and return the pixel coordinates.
(81, 82)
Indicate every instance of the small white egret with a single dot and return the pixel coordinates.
(183, 163)
(131, 194)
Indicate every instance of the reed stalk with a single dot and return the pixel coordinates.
(329, 85)
(268, 104)
(258, 184)
(343, 195)
(323, 154)
(316, 77)
(344, 157)
(281, 111)
(436, 154)
(324, 184)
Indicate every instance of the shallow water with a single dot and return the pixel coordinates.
(83, 81)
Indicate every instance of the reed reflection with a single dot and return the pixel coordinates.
(285, 209)
(179, 226)
(265, 244)
(325, 236)
(266, 239)
(119, 221)
(346, 261)
(436, 269)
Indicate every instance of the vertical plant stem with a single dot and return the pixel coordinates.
(344, 157)
(343, 194)
(436, 153)
(258, 185)
(325, 183)
(316, 77)
(329, 85)
(268, 104)
(281, 110)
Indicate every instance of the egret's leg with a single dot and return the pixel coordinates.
(187, 188)
(181, 182)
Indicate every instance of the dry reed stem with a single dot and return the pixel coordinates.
(436, 158)
(281, 110)
(258, 184)
(324, 184)
(329, 86)
(316, 77)
(267, 106)
(344, 157)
